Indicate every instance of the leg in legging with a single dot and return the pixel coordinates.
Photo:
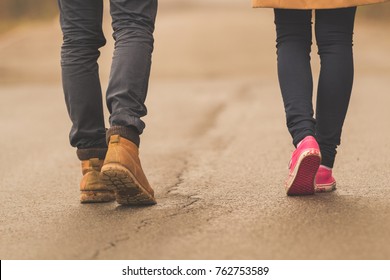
(294, 39)
(334, 32)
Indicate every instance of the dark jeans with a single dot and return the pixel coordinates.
(334, 32)
(81, 23)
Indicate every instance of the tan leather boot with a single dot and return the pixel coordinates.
(91, 187)
(123, 173)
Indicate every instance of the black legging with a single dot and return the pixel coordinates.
(334, 32)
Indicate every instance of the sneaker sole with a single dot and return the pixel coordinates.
(128, 191)
(96, 196)
(325, 187)
(303, 183)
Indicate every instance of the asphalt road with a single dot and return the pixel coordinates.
(215, 150)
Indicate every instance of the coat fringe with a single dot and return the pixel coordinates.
(312, 4)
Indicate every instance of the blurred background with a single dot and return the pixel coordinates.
(196, 21)
(15, 12)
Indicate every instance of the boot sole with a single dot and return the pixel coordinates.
(96, 196)
(302, 179)
(128, 191)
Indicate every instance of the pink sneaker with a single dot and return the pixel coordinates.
(324, 180)
(303, 167)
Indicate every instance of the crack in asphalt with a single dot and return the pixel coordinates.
(208, 121)
(110, 245)
(179, 177)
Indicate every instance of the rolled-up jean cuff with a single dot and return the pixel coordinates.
(127, 118)
(130, 133)
(86, 154)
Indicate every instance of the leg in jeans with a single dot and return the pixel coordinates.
(334, 32)
(133, 25)
(81, 22)
(294, 39)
